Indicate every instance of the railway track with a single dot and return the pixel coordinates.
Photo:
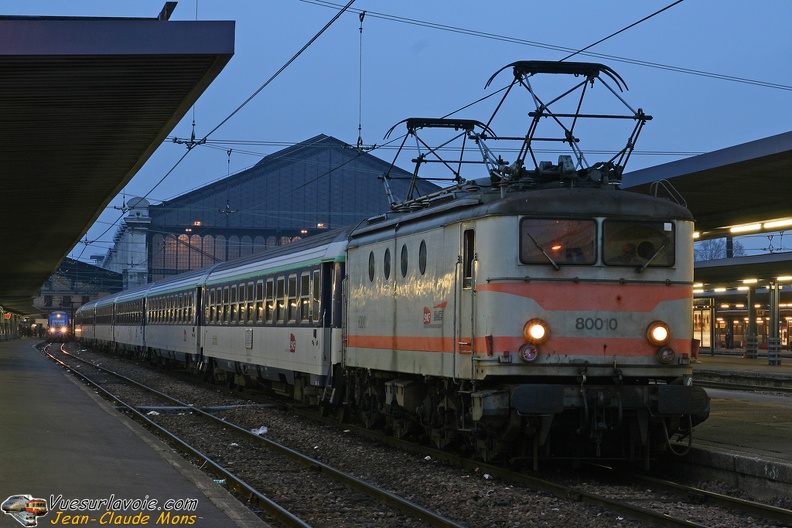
(142, 402)
(642, 501)
(658, 502)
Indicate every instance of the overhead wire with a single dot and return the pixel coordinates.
(465, 31)
(235, 111)
(554, 47)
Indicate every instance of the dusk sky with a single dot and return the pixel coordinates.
(712, 74)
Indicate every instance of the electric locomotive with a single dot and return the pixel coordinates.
(58, 326)
(536, 310)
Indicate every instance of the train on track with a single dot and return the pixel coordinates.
(535, 311)
(58, 327)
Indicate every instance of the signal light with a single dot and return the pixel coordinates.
(666, 355)
(529, 353)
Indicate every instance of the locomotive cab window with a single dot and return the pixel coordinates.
(557, 242)
(638, 243)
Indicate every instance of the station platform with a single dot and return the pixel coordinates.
(730, 366)
(95, 467)
(745, 440)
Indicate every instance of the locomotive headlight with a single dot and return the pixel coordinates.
(658, 333)
(536, 331)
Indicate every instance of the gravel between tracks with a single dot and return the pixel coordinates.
(471, 498)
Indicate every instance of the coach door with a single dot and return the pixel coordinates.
(464, 341)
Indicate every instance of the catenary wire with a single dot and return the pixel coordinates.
(233, 113)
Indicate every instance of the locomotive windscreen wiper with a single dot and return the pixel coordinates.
(650, 259)
(540, 248)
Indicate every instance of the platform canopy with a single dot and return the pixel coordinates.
(736, 187)
(744, 189)
(84, 103)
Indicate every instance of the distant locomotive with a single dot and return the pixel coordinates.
(58, 326)
(527, 313)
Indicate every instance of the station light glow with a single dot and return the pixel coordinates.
(778, 223)
(745, 228)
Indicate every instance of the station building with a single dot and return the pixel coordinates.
(318, 184)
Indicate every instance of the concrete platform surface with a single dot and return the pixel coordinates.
(95, 467)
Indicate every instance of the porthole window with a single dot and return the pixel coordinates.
(422, 257)
(387, 263)
(404, 260)
(371, 266)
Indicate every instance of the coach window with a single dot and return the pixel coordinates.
(234, 305)
(251, 302)
(259, 308)
(316, 302)
(371, 266)
(292, 297)
(226, 304)
(209, 309)
(270, 300)
(305, 297)
(242, 304)
(280, 299)
(557, 242)
(387, 263)
(422, 257)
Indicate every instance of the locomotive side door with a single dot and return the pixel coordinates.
(465, 310)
